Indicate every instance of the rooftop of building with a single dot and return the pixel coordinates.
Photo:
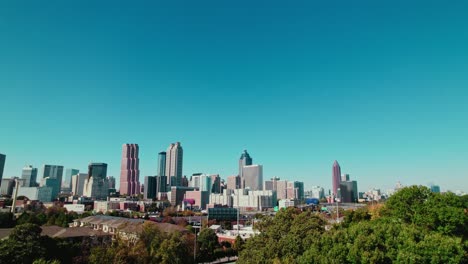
(129, 225)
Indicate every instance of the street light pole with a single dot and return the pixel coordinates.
(337, 206)
(195, 248)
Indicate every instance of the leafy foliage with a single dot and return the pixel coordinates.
(208, 243)
(414, 226)
(154, 246)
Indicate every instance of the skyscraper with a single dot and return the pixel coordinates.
(53, 184)
(299, 190)
(253, 177)
(233, 182)
(348, 192)
(162, 163)
(174, 161)
(67, 181)
(161, 182)
(97, 184)
(29, 176)
(130, 172)
(2, 165)
(245, 160)
(111, 180)
(78, 182)
(53, 172)
(151, 187)
(336, 177)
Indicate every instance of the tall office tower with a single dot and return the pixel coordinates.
(53, 172)
(162, 163)
(253, 177)
(205, 183)
(151, 187)
(316, 192)
(245, 160)
(7, 187)
(2, 165)
(174, 161)
(195, 180)
(280, 187)
(67, 181)
(299, 190)
(216, 183)
(344, 177)
(52, 183)
(348, 192)
(336, 173)
(233, 182)
(29, 176)
(111, 180)
(78, 182)
(130, 172)
(96, 185)
(161, 182)
(435, 188)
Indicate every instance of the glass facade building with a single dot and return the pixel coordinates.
(151, 187)
(67, 181)
(29, 175)
(2, 165)
(53, 172)
(162, 163)
(96, 185)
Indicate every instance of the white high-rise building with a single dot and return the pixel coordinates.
(316, 192)
(174, 161)
(245, 199)
(78, 182)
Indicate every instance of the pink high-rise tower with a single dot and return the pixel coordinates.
(336, 178)
(129, 170)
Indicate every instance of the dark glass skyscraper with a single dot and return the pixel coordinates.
(245, 160)
(349, 192)
(53, 172)
(129, 170)
(96, 185)
(97, 171)
(151, 187)
(336, 177)
(2, 165)
(162, 163)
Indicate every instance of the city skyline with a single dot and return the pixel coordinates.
(379, 87)
(337, 174)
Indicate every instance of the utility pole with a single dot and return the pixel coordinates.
(13, 205)
(337, 204)
(195, 248)
(238, 211)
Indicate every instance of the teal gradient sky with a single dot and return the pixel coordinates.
(380, 86)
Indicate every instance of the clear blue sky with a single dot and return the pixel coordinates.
(380, 86)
